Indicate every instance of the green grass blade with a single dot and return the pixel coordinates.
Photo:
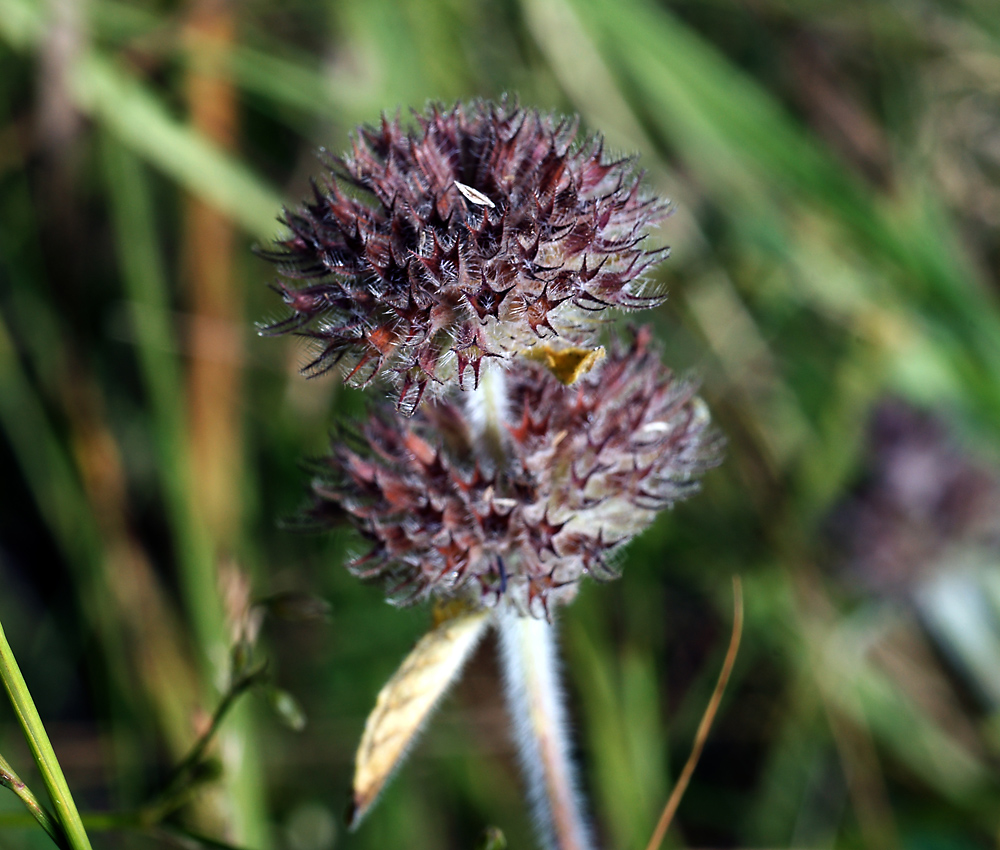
(9, 779)
(22, 23)
(139, 120)
(146, 286)
(41, 748)
(762, 167)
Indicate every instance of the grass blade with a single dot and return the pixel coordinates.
(41, 748)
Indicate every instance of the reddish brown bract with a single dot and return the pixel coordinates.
(473, 236)
(585, 468)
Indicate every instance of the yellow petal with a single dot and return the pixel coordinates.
(567, 364)
(408, 699)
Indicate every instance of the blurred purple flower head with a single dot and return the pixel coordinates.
(581, 470)
(921, 498)
(483, 231)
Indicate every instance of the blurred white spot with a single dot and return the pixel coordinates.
(311, 826)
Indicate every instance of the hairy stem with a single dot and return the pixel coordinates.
(535, 701)
(487, 406)
(530, 669)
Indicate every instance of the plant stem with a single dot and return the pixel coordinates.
(535, 702)
(173, 794)
(41, 748)
(9, 779)
(530, 669)
(706, 721)
(487, 406)
(147, 287)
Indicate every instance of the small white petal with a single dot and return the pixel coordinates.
(474, 195)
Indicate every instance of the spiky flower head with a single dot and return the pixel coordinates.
(580, 470)
(473, 236)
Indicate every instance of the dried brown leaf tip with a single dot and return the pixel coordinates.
(474, 235)
(582, 469)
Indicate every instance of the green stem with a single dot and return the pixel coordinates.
(93, 821)
(9, 779)
(125, 822)
(41, 748)
(147, 287)
(174, 793)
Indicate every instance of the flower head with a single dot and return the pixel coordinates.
(920, 498)
(582, 469)
(474, 236)
(488, 235)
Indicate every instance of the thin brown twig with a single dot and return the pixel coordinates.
(706, 721)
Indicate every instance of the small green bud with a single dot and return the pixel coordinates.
(241, 659)
(287, 708)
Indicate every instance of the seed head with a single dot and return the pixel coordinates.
(473, 236)
(582, 470)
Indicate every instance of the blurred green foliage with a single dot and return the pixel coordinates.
(835, 171)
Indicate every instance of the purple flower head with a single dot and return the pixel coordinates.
(473, 237)
(580, 471)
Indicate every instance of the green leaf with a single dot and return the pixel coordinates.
(139, 120)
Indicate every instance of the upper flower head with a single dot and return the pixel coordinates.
(475, 235)
(581, 470)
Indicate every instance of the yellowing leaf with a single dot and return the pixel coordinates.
(408, 699)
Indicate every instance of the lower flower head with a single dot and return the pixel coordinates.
(581, 470)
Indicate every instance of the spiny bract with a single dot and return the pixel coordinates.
(475, 235)
(579, 477)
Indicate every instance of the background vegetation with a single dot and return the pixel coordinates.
(835, 169)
